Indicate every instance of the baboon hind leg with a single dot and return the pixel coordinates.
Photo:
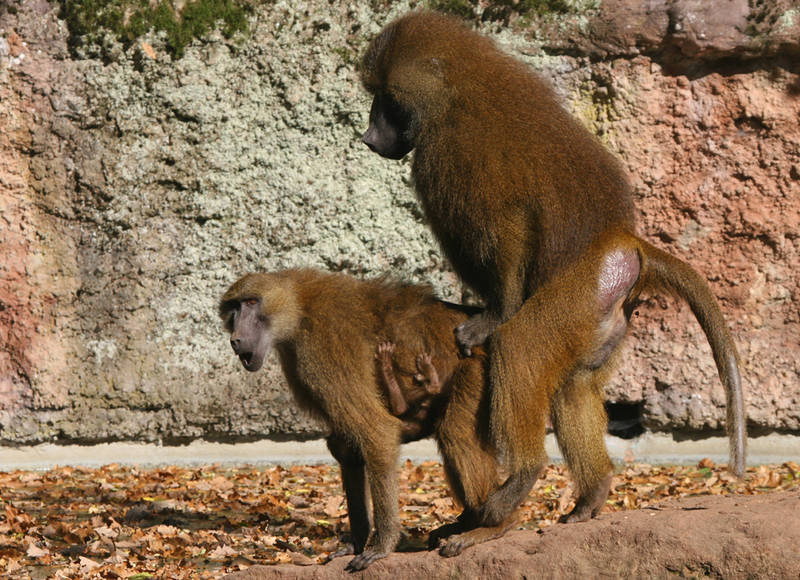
(580, 423)
(473, 476)
(577, 405)
(472, 470)
(470, 462)
(554, 355)
(495, 517)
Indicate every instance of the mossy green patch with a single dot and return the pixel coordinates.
(461, 8)
(499, 9)
(127, 20)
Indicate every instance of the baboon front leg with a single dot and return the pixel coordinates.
(355, 489)
(380, 456)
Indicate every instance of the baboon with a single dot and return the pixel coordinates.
(326, 329)
(532, 212)
(411, 406)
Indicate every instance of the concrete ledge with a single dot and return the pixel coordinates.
(649, 448)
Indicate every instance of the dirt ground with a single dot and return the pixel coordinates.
(707, 536)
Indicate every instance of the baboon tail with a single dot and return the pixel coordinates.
(661, 271)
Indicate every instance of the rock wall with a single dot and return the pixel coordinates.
(134, 188)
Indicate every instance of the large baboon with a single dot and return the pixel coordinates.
(533, 213)
(326, 329)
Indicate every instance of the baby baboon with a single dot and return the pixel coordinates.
(533, 213)
(415, 406)
(326, 329)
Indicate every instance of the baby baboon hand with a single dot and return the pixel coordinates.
(427, 374)
(385, 349)
(385, 354)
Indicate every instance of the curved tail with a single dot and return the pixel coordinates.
(661, 271)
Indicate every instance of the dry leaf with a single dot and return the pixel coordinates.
(333, 506)
(87, 564)
(106, 532)
(565, 500)
(167, 531)
(221, 553)
(35, 551)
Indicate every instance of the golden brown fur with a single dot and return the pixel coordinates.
(536, 215)
(325, 329)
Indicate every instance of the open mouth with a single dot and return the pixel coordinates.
(246, 358)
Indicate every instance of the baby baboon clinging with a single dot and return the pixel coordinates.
(326, 329)
(532, 212)
(413, 407)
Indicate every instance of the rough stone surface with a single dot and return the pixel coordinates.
(135, 188)
(714, 537)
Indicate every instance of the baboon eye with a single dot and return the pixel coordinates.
(251, 301)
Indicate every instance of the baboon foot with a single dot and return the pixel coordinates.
(457, 544)
(441, 533)
(580, 513)
(460, 542)
(588, 505)
(346, 550)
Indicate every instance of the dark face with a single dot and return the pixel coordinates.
(251, 337)
(391, 132)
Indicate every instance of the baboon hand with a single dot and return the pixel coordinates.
(365, 558)
(423, 361)
(474, 331)
(385, 350)
(384, 356)
(427, 374)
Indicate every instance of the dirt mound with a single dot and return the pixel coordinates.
(719, 537)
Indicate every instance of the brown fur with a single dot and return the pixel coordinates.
(532, 212)
(325, 329)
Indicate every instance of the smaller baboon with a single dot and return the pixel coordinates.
(413, 407)
(326, 329)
